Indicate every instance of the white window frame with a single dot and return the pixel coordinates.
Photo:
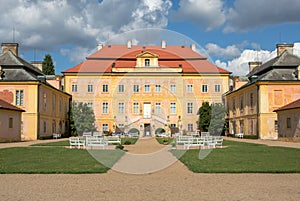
(136, 88)
(19, 97)
(90, 88)
(157, 88)
(136, 107)
(190, 108)
(189, 88)
(105, 108)
(217, 88)
(190, 127)
(172, 108)
(121, 88)
(104, 127)
(74, 88)
(204, 88)
(157, 108)
(121, 107)
(173, 88)
(147, 88)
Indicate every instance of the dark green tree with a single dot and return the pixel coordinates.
(83, 118)
(217, 119)
(204, 116)
(48, 67)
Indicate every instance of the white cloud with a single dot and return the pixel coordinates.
(239, 65)
(230, 52)
(247, 15)
(206, 14)
(48, 25)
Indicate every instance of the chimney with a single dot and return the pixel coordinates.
(100, 46)
(253, 64)
(163, 44)
(129, 44)
(282, 47)
(193, 47)
(38, 64)
(13, 47)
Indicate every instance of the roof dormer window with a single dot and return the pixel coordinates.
(147, 62)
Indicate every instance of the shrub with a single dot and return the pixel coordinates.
(119, 146)
(127, 142)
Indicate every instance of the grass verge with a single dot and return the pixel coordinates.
(54, 160)
(240, 157)
(164, 140)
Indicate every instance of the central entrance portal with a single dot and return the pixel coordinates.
(147, 130)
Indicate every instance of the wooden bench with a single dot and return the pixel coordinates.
(239, 135)
(94, 141)
(113, 139)
(76, 142)
(56, 135)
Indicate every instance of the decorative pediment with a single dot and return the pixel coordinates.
(147, 54)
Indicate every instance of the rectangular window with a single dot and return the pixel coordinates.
(157, 88)
(90, 88)
(204, 88)
(288, 123)
(104, 127)
(190, 127)
(157, 108)
(105, 88)
(53, 102)
(173, 125)
(276, 126)
(190, 108)
(74, 87)
(11, 122)
(147, 88)
(251, 127)
(217, 88)
(60, 104)
(242, 103)
(121, 108)
(251, 100)
(136, 88)
(104, 108)
(19, 97)
(173, 108)
(45, 100)
(90, 105)
(189, 88)
(173, 88)
(135, 108)
(120, 88)
(45, 127)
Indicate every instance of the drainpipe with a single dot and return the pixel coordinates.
(38, 111)
(257, 111)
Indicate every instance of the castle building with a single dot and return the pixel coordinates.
(267, 87)
(147, 89)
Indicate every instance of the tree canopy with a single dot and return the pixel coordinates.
(211, 118)
(82, 119)
(47, 65)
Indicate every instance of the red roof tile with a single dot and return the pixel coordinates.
(170, 57)
(8, 106)
(292, 105)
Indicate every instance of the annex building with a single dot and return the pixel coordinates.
(45, 108)
(148, 89)
(267, 87)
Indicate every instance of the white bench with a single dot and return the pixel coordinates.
(76, 142)
(194, 142)
(86, 134)
(97, 133)
(56, 135)
(94, 141)
(135, 134)
(182, 139)
(113, 139)
(239, 135)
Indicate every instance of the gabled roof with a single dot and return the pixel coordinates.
(120, 56)
(8, 106)
(285, 60)
(292, 105)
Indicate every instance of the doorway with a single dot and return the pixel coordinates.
(147, 110)
(147, 130)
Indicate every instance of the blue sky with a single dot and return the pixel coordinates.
(233, 32)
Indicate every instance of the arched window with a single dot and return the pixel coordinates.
(147, 62)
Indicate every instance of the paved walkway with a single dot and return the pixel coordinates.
(28, 143)
(267, 142)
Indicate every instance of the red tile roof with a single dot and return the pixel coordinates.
(8, 106)
(292, 105)
(121, 56)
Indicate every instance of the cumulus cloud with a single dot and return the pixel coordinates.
(247, 15)
(239, 65)
(206, 14)
(46, 25)
(228, 52)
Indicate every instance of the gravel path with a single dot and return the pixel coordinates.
(175, 182)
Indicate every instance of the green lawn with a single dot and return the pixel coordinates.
(48, 160)
(241, 157)
(163, 140)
